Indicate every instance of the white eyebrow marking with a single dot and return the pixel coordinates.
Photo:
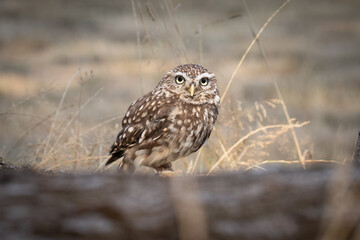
(208, 75)
(182, 74)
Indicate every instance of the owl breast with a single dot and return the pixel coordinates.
(191, 127)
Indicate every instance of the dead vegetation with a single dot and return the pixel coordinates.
(63, 132)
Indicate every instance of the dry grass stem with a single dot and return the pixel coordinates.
(171, 12)
(55, 147)
(196, 160)
(242, 140)
(276, 85)
(292, 162)
(250, 47)
(27, 99)
(101, 124)
(57, 112)
(234, 74)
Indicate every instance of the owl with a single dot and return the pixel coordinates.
(170, 122)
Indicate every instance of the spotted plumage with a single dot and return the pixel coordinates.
(172, 121)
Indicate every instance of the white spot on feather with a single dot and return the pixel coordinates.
(199, 128)
(142, 137)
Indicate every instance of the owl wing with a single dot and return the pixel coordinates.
(146, 118)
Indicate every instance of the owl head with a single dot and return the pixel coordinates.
(192, 83)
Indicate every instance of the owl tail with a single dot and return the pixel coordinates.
(125, 165)
(114, 156)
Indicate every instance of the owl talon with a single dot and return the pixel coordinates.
(166, 173)
(164, 167)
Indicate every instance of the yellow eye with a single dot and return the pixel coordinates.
(179, 79)
(204, 81)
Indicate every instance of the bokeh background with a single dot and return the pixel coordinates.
(111, 52)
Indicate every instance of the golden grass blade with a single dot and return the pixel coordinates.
(277, 89)
(138, 42)
(27, 99)
(46, 157)
(171, 12)
(58, 111)
(29, 130)
(101, 124)
(293, 162)
(222, 146)
(250, 47)
(196, 160)
(234, 74)
(74, 161)
(241, 140)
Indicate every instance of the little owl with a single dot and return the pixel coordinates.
(170, 122)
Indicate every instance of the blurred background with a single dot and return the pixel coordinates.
(69, 70)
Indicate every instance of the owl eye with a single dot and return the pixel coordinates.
(204, 81)
(179, 79)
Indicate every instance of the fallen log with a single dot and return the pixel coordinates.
(293, 204)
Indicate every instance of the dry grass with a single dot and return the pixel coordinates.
(248, 135)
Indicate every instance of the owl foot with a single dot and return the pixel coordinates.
(166, 170)
(166, 173)
(164, 167)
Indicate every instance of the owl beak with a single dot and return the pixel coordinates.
(192, 89)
